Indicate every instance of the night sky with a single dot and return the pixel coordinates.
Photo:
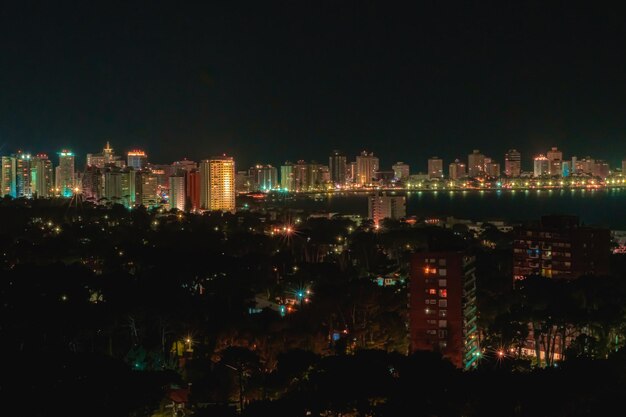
(293, 80)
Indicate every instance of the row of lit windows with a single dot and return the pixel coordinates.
(443, 293)
(441, 333)
(434, 301)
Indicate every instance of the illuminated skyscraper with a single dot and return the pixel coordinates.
(177, 192)
(193, 190)
(492, 168)
(435, 167)
(301, 176)
(601, 169)
(541, 166)
(556, 159)
(137, 159)
(337, 167)
(65, 173)
(457, 170)
(148, 190)
(41, 177)
(475, 164)
(8, 176)
(287, 177)
(366, 166)
(512, 163)
(382, 206)
(22, 175)
(217, 190)
(400, 171)
(263, 177)
(442, 306)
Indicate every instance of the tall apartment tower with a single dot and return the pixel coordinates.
(382, 206)
(193, 190)
(337, 163)
(442, 306)
(435, 167)
(457, 170)
(366, 166)
(512, 163)
(217, 184)
(41, 177)
(401, 171)
(137, 159)
(8, 176)
(65, 173)
(475, 163)
(177, 192)
(559, 247)
(287, 177)
(541, 166)
(555, 158)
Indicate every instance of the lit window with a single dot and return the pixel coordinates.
(443, 283)
(431, 322)
(431, 332)
(443, 293)
(443, 334)
(443, 303)
(442, 262)
(443, 313)
(432, 291)
(443, 323)
(443, 272)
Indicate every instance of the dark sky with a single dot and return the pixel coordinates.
(269, 81)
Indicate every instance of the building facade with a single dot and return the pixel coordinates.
(382, 206)
(337, 165)
(435, 167)
(217, 188)
(475, 164)
(442, 306)
(512, 163)
(559, 247)
(366, 166)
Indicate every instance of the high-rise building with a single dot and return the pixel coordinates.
(301, 176)
(263, 177)
(435, 167)
(442, 306)
(559, 247)
(92, 184)
(512, 163)
(623, 166)
(382, 206)
(193, 190)
(137, 159)
(65, 173)
(556, 159)
(475, 164)
(565, 169)
(400, 171)
(8, 176)
(41, 177)
(457, 170)
(217, 189)
(366, 166)
(107, 157)
(337, 168)
(492, 168)
(541, 166)
(22, 175)
(574, 165)
(287, 177)
(177, 192)
(352, 172)
(113, 193)
(148, 189)
(601, 169)
(183, 166)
